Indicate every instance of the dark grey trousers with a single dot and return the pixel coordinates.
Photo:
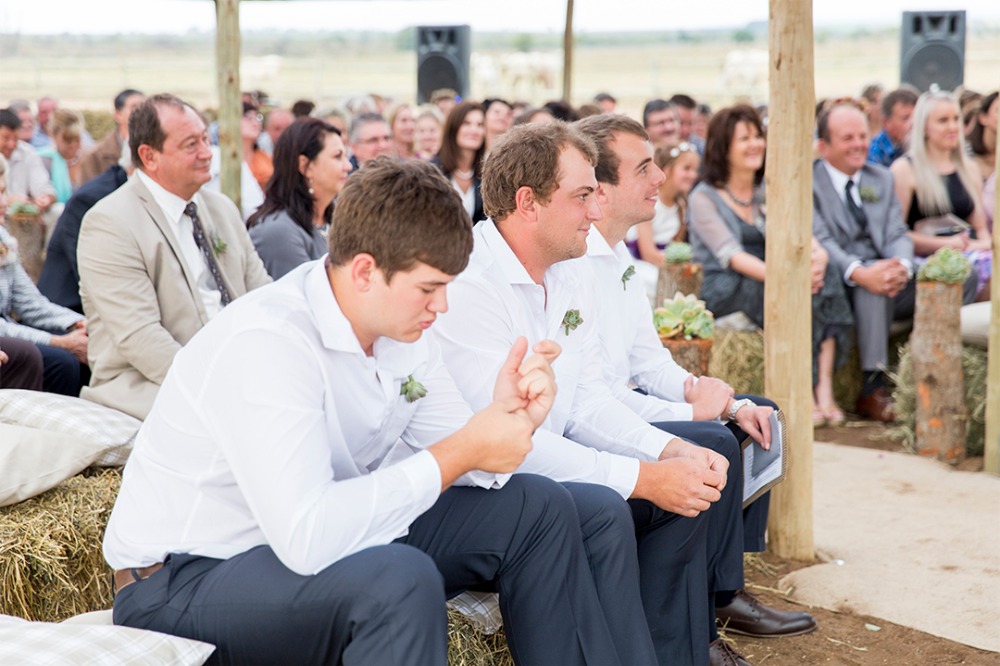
(385, 605)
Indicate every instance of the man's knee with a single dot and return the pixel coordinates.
(403, 574)
(601, 509)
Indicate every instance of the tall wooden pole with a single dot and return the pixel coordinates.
(787, 294)
(567, 82)
(227, 65)
(992, 443)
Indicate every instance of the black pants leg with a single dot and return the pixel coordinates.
(63, 373)
(24, 367)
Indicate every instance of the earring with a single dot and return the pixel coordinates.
(311, 190)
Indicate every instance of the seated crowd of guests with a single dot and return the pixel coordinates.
(146, 253)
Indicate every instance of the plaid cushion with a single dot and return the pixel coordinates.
(481, 608)
(23, 642)
(113, 430)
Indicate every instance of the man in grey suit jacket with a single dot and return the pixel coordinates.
(148, 279)
(868, 244)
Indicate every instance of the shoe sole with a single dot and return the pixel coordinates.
(731, 630)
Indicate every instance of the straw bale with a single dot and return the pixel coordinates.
(467, 646)
(51, 565)
(974, 369)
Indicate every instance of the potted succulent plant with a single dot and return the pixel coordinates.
(678, 273)
(936, 346)
(24, 222)
(686, 328)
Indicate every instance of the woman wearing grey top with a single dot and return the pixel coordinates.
(310, 168)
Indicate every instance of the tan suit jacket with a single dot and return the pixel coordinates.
(141, 301)
(100, 158)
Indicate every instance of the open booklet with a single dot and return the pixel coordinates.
(762, 469)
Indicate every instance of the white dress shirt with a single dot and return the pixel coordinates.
(492, 303)
(635, 357)
(274, 427)
(173, 209)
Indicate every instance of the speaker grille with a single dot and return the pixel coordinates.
(934, 63)
(438, 71)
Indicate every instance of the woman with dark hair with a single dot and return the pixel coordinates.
(499, 117)
(983, 137)
(310, 168)
(727, 222)
(460, 158)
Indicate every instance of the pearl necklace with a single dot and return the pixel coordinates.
(742, 202)
(464, 175)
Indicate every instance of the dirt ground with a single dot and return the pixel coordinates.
(845, 638)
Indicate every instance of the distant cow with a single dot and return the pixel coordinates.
(744, 73)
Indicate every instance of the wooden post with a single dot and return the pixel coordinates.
(936, 345)
(685, 278)
(787, 294)
(227, 65)
(992, 443)
(567, 82)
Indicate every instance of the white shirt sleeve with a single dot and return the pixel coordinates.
(271, 427)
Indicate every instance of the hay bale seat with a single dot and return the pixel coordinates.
(52, 568)
(975, 371)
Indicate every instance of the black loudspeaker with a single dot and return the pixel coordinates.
(443, 59)
(933, 49)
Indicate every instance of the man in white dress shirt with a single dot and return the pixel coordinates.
(290, 497)
(522, 279)
(668, 396)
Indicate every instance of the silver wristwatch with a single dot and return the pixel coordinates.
(737, 406)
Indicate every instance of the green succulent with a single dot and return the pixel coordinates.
(571, 320)
(947, 265)
(412, 390)
(684, 317)
(677, 253)
(23, 208)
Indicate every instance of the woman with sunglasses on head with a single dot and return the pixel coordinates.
(310, 169)
(679, 163)
(727, 237)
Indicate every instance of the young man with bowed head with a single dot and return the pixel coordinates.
(702, 410)
(310, 486)
(158, 257)
(540, 193)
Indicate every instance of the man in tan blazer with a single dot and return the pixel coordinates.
(147, 285)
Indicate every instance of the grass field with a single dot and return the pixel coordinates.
(85, 73)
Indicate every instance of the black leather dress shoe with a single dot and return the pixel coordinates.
(877, 406)
(749, 617)
(721, 653)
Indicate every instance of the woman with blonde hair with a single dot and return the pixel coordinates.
(62, 156)
(427, 135)
(940, 188)
(402, 126)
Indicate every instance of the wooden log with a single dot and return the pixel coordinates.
(787, 294)
(685, 278)
(227, 64)
(29, 231)
(692, 355)
(937, 372)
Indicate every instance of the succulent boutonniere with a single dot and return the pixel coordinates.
(627, 275)
(412, 390)
(868, 194)
(219, 246)
(571, 320)
(8, 252)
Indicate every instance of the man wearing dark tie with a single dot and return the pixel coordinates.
(857, 218)
(158, 257)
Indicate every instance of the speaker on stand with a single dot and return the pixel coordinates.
(933, 49)
(443, 59)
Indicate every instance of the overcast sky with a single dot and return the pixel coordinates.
(178, 16)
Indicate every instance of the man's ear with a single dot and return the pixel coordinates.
(148, 155)
(363, 269)
(525, 202)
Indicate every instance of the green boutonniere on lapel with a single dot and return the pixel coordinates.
(627, 275)
(219, 246)
(571, 320)
(412, 390)
(868, 194)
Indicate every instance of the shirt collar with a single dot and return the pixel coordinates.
(171, 204)
(560, 274)
(397, 358)
(839, 178)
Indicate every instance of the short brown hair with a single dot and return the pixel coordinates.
(602, 130)
(144, 124)
(401, 212)
(528, 156)
(904, 96)
(719, 137)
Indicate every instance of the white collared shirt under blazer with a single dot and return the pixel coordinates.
(274, 427)
(492, 303)
(635, 357)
